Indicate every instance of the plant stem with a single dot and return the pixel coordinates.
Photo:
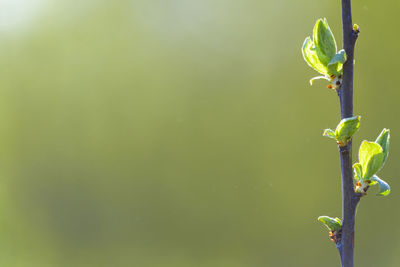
(349, 204)
(349, 41)
(349, 198)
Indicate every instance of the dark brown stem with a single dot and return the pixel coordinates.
(349, 198)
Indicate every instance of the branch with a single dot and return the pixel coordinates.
(349, 40)
(349, 204)
(349, 198)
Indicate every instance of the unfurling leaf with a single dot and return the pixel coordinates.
(357, 171)
(329, 133)
(324, 39)
(319, 51)
(346, 128)
(318, 78)
(370, 156)
(384, 188)
(321, 54)
(340, 57)
(384, 140)
(335, 66)
(333, 224)
(313, 57)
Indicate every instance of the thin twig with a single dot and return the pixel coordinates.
(349, 198)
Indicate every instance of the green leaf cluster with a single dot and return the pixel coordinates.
(321, 53)
(333, 224)
(372, 157)
(344, 130)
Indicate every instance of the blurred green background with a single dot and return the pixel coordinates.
(162, 133)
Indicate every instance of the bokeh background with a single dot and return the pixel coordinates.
(162, 133)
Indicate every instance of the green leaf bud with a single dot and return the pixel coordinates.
(346, 129)
(333, 224)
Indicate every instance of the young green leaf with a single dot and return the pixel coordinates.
(324, 39)
(370, 156)
(333, 224)
(384, 140)
(317, 78)
(346, 128)
(329, 133)
(320, 51)
(384, 188)
(357, 171)
(340, 57)
(335, 66)
(313, 57)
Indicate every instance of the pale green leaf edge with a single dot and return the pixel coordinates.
(384, 188)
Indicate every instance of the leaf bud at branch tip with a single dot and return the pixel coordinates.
(356, 28)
